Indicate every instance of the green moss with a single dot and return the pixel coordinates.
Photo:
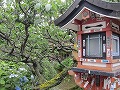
(57, 79)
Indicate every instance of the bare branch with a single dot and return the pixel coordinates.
(5, 37)
(22, 8)
(23, 45)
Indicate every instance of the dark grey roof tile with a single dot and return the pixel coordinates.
(99, 6)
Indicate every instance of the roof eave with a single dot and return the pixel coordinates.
(91, 5)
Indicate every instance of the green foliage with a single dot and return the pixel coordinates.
(28, 35)
(48, 69)
(68, 62)
(10, 74)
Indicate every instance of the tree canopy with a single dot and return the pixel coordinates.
(28, 35)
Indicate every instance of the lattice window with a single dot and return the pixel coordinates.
(115, 45)
(94, 45)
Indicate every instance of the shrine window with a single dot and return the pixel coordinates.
(93, 45)
(115, 45)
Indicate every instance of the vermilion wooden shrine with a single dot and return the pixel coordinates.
(97, 24)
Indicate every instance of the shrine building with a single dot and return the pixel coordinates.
(97, 27)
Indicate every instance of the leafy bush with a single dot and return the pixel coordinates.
(14, 76)
(48, 69)
(68, 62)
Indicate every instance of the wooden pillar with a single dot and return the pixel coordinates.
(108, 48)
(79, 41)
